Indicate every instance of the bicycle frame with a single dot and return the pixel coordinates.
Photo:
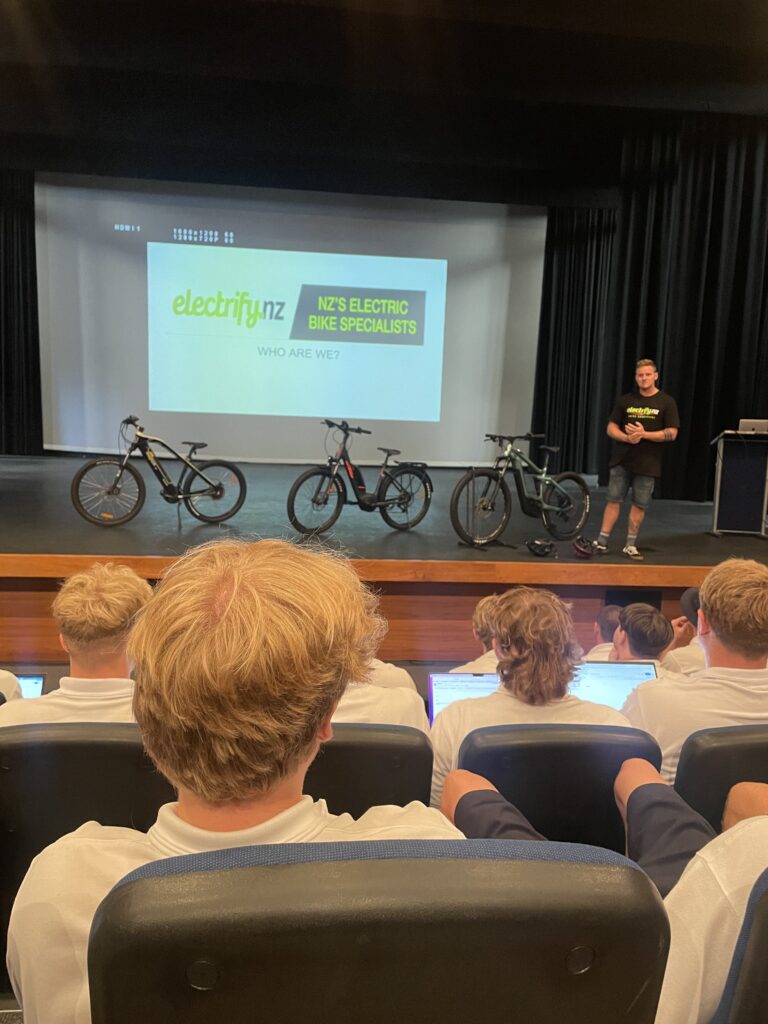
(518, 463)
(171, 491)
(367, 501)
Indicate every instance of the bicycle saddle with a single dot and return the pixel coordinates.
(194, 445)
(389, 451)
(549, 448)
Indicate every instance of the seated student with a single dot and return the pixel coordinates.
(240, 658)
(733, 689)
(368, 703)
(482, 631)
(93, 612)
(537, 653)
(642, 634)
(705, 879)
(9, 685)
(392, 677)
(605, 626)
(686, 655)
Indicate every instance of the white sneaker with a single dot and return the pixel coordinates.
(631, 552)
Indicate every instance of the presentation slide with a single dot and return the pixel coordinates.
(281, 333)
(242, 317)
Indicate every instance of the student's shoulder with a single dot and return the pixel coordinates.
(414, 821)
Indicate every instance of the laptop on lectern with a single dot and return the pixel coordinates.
(753, 426)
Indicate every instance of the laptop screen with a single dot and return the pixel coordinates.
(446, 687)
(602, 682)
(31, 686)
(610, 682)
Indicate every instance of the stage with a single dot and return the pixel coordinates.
(429, 581)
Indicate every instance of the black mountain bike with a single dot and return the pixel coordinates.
(481, 503)
(110, 491)
(402, 494)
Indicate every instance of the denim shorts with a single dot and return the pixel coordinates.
(619, 482)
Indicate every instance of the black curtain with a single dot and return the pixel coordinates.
(688, 288)
(570, 365)
(21, 431)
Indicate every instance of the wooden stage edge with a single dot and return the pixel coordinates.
(544, 573)
(427, 604)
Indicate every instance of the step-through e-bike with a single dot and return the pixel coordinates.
(481, 503)
(402, 494)
(109, 491)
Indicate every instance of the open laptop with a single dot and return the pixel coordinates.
(602, 682)
(31, 686)
(753, 426)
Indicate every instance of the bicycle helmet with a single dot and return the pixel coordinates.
(542, 548)
(582, 547)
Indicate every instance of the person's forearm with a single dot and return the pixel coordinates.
(614, 431)
(667, 434)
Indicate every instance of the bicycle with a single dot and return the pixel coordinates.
(109, 491)
(481, 503)
(402, 495)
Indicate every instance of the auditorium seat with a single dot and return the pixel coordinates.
(55, 777)
(365, 766)
(713, 760)
(560, 776)
(481, 931)
(745, 995)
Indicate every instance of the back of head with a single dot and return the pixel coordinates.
(240, 658)
(607, 620)
(483, 619)
(734, 601)
(94, 610)
(538, 650)
(648, 631)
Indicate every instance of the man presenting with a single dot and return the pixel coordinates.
(641, 422)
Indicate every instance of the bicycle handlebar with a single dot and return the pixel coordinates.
(345, 427)
(131, 421)
(501, 438)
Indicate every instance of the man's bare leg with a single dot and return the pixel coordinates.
(745, 800)
(636, 517)
(610, 515)
(663, 832)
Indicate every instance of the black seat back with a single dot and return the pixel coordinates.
(364, 766)
(713, 760)
(560, 776)
(55, 777)
(339, 933)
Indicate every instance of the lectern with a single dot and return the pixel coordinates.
(741, 483)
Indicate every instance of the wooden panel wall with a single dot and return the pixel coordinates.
(428, 604)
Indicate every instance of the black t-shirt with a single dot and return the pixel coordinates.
(654, 413)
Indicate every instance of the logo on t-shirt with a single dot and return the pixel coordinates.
(641, 412)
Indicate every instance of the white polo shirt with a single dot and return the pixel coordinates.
(51, 918)
(384, 673)
(9, 685)
(686, 660)
(368, 704)
(706, 909)
(486, 663)
(502, 708)
(600, 652)
(674, 706)
(76, 700)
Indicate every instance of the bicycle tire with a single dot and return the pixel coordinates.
(107, 493)
(475, 513)
(414, 496)
(231, 495)
(567, 522)
(318, 498)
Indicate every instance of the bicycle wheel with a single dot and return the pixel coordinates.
(107, 493)
(315, 501)
(480, 506)
(568, 499)
(218, 500)
(410, 490)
